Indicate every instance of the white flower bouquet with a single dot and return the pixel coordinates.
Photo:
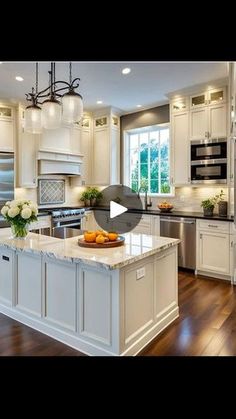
(20, 213)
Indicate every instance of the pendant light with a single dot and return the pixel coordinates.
(72, 103)
(51, 108)
(33, 112)
(55, 104)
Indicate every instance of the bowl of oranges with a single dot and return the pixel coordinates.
(100, 238)
(165, 206)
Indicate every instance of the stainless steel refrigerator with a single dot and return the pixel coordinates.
(6, 181)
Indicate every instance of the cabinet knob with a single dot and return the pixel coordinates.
(200, 236)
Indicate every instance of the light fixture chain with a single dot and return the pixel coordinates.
(70, 72)
(37, 78)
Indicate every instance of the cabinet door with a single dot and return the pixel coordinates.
(180, 148)
(155, 227)
(213, 252)
(199, 124)
(75, 145)
(217, 121)
(199, 100)
(217, 96)
(29, 284)
(86, 150)
(7, 135)
(60, 294)
(28, 146)
(6, 276)
(101, 157)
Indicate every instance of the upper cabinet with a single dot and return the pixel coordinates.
(7, 128)
(27, 154)
(210, 97)
(87, 149)
(208, 115)
(180, 149)
(106, 149)
(179, 105)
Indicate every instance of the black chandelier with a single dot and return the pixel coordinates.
(53, 110)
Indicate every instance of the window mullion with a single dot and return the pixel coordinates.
(139, 165)
(149, 164)
(159, 163)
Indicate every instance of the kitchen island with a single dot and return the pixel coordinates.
(99, 301)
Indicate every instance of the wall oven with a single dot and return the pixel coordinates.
(209, 161)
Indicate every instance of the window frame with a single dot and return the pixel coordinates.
(126, 156)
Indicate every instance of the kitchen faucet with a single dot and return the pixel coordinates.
(146, 204)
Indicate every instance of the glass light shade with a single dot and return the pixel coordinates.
(33, 119)
(51, 114)
(72, 107)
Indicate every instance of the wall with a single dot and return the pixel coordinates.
(153, 116)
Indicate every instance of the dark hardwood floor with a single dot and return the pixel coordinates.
(206, 326)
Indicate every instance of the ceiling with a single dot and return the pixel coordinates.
(148, 83)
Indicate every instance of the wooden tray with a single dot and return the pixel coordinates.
(93, 245)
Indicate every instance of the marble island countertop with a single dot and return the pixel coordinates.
(136, 247)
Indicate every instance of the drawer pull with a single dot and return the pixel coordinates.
(5, 258)
(212, 225)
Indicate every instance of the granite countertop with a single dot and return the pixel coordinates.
(172, 213)
(46, 211)
(136, 247)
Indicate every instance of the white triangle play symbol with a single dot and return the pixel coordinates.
(116, 209)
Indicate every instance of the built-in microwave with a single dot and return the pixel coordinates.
(209, 161)
(209, 171)
(209, 149)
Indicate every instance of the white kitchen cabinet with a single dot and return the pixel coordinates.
(87, 150)
(144, 226)
(106, 150)
(199, 124)
(213, 252)
(180, 105)
(209, 97)
(6, 276)
(27, 169)
(217, 121)
(29, 284)
(75, 139)
(215, 244)
(208, 122)
(60, 294)
(180, 148)
(7, 128)
(155, 225)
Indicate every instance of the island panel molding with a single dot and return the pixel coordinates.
(99, 308)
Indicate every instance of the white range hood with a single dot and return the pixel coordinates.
(67, 164)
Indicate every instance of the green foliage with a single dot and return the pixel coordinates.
(211, 202)
(91, 193)
(154, 151)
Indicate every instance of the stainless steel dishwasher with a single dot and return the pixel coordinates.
(185, 230)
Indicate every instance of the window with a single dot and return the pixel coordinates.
(148, 159)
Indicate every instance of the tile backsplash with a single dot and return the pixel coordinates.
(185, 199)
(189, 198)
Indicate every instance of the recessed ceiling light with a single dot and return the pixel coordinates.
(99, 102)
(139, 106)
(19, 78)
(126, 70)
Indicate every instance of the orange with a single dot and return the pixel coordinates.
(100, 239)
(112, 236)
(90, 236)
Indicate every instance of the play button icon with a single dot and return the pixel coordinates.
(116, 209)
(119, 210)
